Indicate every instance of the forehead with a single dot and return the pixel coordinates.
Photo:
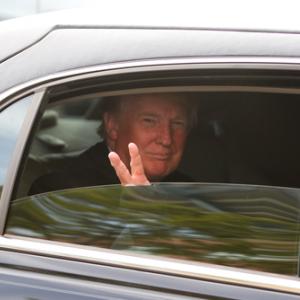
(155, 104)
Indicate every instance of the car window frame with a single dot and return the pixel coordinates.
(40, 87)
(17, 155)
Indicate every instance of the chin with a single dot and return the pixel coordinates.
(157, 175)
(157, 170)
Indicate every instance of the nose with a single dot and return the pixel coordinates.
(165, 135)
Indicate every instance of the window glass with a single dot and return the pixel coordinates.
(229, 190)
(236, 225)
(11, 120)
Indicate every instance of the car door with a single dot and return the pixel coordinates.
(152, 245)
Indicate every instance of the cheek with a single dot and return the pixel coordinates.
(145, 139)
(179, 140)
(130, 133)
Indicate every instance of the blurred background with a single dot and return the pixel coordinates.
(17, 8)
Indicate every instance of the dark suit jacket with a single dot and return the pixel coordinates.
(90, 168)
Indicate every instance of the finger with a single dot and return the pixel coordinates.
(120, 168)
(136, 164)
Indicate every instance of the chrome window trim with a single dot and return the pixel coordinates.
(17, 156)
(266, 63)
(147, 263)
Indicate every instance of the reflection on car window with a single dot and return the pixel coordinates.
(11, 120)
(236, 225)
(65, 130)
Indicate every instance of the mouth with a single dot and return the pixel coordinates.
(159, 156)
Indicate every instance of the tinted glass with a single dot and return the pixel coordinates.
(235, 225)
(11, 120)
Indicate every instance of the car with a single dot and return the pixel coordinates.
(232, 231)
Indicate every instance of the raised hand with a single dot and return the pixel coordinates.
(135, 176)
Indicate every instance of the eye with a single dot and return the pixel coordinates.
(181, 124)
(149, 121)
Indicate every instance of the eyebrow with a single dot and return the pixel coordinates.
(156, 115)
(148, 114)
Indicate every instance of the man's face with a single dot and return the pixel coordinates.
(157, 124)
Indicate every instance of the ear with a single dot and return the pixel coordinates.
(111, 126)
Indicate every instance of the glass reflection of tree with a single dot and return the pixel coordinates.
(181, 223)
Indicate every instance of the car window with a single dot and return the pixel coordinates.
(239, 137)
(244, 226)
(11, 119)
(230, 198)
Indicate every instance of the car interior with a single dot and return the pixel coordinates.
(246, 131)
(240, 138)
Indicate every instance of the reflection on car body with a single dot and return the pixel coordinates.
(229, 231)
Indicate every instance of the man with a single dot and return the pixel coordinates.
(144, 139)
(154, 128)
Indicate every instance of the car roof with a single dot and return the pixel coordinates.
(256, 15)
(21, 34)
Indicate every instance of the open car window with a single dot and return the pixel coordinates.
(235, 225)
(239, 137)
(234, 199)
